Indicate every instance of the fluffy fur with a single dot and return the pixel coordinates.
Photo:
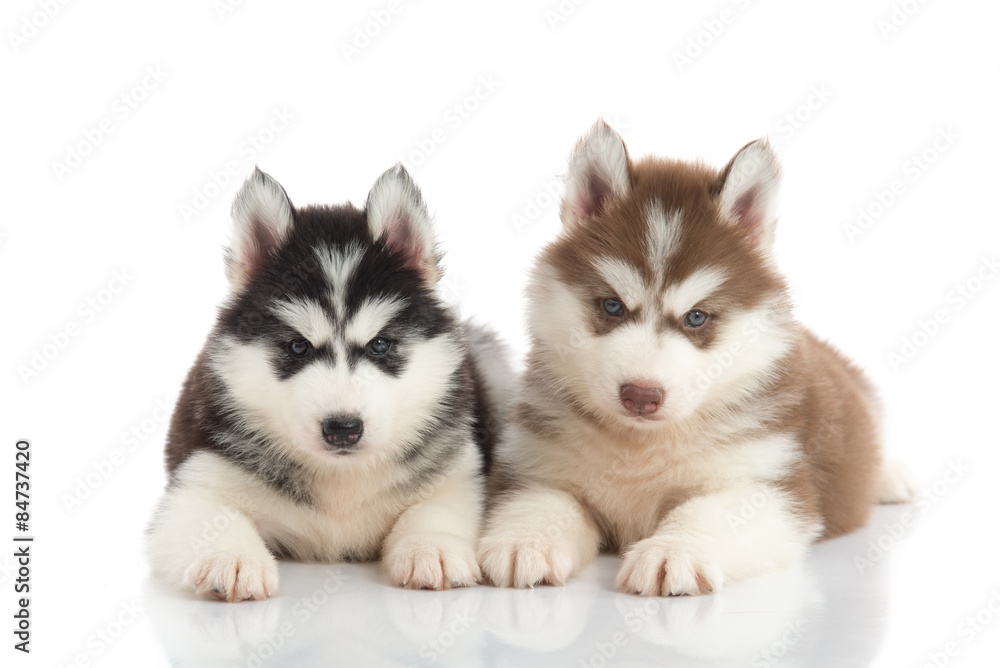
(672, 408)
(336, 411)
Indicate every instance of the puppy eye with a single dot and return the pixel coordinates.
(614, 307)
(695, 318)
(299, 347)
(379, 345)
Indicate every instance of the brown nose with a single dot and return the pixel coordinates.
(641, 398)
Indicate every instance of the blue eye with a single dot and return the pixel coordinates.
(299, 347)
(695, 318)
(614, 307)
(379, 345)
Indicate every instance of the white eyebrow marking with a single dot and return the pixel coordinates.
(682, 297)
(307, 318)
(371, 317)
(624, 279)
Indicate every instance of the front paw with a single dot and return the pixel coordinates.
(436, 561)
(661, 566)
(232, 577)
(519, 563)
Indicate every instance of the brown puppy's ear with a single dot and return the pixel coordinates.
(748, 192)
(262, 217)
(397, 214)
(598, 173)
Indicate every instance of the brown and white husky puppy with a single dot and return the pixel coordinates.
(672, 408)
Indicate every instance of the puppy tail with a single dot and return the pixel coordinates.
(897, 484)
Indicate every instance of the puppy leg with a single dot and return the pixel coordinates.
(537, 535)
(706, 542)
(196, 542)
(432, 545)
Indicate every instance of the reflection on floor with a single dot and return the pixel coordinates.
(829, 612)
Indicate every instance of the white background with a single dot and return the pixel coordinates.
(879, 97)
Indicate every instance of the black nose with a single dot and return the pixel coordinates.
(343, 432)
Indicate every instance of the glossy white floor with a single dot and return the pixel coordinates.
(875, 598)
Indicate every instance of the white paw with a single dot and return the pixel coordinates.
(525, 563)
(897, 484)
(435, 561)
(232, 578)
(662, 566)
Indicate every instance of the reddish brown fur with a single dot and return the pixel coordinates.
(817, 394)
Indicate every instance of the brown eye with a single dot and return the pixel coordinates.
(695, 318)
(614, 307)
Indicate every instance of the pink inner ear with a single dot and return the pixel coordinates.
(259, 246)
(594, 196)
(400, 238)
(747, 213)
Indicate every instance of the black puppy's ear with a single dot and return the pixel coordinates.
(397, 214)
(262, 217)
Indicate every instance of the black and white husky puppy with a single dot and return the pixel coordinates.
(338, 411)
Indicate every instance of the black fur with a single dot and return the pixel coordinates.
(205, 417)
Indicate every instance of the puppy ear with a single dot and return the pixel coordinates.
(748, 191)
(598, 172)
(398, 216)
(262, 217)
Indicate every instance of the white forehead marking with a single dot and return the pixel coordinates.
(338, 264)
(371, 317)
(664, 233)
(307, 318)
(624, 279)
(682, 297)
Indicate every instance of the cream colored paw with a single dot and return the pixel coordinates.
(233, 577)
(661, 566)
(525, 563)
(437, 561)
